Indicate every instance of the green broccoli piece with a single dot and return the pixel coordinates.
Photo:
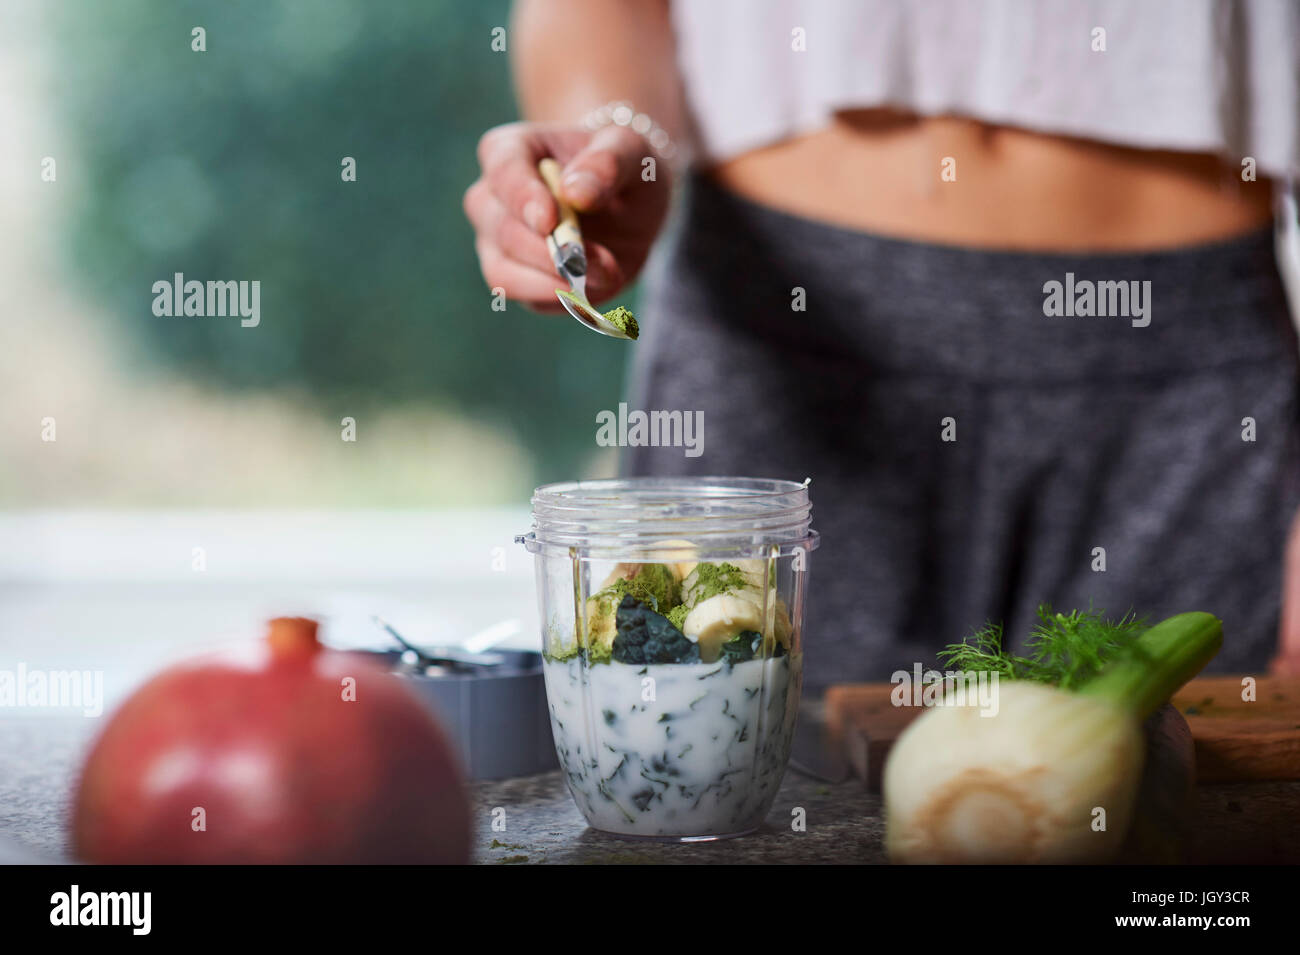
(645, 636)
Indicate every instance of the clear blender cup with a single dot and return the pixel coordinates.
(672, 615)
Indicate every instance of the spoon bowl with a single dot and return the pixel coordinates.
(586, 313)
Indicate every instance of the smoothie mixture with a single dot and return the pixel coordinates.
(674, 708)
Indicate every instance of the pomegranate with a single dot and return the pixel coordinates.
(280, 751)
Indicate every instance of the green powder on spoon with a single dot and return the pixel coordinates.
(618, 316)
(623, 320)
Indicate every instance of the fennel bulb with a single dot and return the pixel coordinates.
(1053, 775)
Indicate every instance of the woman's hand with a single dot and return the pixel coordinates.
(1287, 661)
(512, 211)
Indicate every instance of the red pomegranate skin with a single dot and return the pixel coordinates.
(284, 768)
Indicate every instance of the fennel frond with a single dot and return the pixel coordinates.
(1065, 650)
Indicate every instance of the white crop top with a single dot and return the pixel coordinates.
(1212, 76)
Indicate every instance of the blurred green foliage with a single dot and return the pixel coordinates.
(225, 164)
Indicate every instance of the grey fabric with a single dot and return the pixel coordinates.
(1071, 433)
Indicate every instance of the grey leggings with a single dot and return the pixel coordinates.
(1075, 442)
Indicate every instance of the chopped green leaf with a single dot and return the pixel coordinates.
(645, 636)
(743, 646)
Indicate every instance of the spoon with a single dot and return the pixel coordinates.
(570, 257)
(441, 656)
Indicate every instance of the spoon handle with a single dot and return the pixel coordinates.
(567, 231)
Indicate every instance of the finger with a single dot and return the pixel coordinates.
(513, 239)
(1289, 626)
(493, 221)
(508, 236)
(509, 160)
(520, 282)
(603, 167)
(476, 203)
(604, 275)
(1285, 666)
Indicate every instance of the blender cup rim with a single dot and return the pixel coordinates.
(621, 515)
(726, 487)
(645, 549)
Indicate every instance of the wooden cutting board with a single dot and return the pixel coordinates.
(1236, 740)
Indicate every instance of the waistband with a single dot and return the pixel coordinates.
(894, 304)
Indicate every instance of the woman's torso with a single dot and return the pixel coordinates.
(962, 182)
(1092, 124)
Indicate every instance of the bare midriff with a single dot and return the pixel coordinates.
(960, 182)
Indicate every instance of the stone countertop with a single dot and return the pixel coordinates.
(39, 758)
(1237, 822)
(542, 825)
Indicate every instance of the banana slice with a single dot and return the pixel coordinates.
(718, 619)
(776, 626)
(746, 579)
(706, 581)
(778, 629)
(621, 572)
(755, 571)
(602, 620)
(678, 554)
(679, 569)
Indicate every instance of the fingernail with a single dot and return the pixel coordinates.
(581, 187)
(533, 212)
